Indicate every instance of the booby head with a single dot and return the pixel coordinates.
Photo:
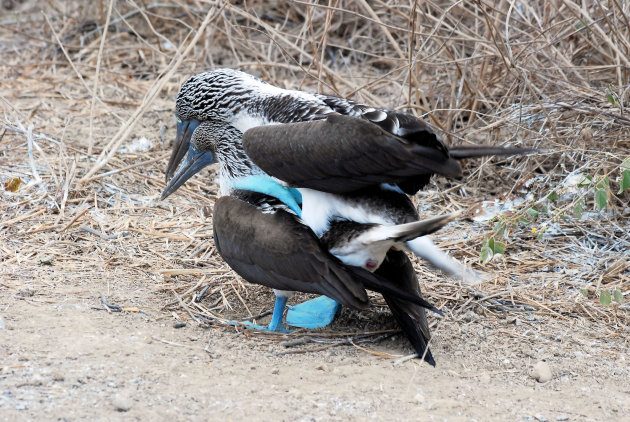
(194, 158)
(208, 142)
(199, 100)
(215, 95)
(210, 117)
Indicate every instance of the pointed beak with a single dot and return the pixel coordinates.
(194, 161)
(185, 130)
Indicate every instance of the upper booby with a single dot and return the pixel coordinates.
(349, 160)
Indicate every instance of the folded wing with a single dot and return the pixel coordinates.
(343, 154)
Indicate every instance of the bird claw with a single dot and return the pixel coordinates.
(269, 328)
(315, 313)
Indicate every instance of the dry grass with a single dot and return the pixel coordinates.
(77, 94)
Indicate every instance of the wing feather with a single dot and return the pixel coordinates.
(397, 269)
(342, 154)
(277, 251)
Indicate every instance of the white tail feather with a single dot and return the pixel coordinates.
(426, 249)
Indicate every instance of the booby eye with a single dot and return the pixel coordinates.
(370, 264)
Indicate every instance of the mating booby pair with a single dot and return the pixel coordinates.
(259, 233)
(353, 164)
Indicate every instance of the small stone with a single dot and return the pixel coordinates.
(26, 292)
(46, 260)
(513, 320)
(562, 418)
(179, 324)
(419, 398)
(322, 368)
(470, 316)
(36, 380)
(276, 371)
(121, 403)
(58, 376)
(3, 325)
(541, 372)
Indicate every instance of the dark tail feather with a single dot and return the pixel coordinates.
(412, 331)
(378, 283)
(397, 268)
(473, 151)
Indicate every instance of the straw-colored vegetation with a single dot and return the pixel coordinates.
(87, 93)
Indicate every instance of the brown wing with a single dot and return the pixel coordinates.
(342, 154)
(277, 251)
(412, 318)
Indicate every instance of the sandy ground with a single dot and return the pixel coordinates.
(64, 358)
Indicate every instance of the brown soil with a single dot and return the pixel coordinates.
(65, 358)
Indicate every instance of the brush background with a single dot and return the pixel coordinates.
(87, 125)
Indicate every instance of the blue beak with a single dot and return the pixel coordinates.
(194, 161)
(185, 130)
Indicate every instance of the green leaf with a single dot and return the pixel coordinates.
(625, 181)
(626, 164)
(618, 296)
(610, 98)
(585, 181)
(486, 254)
(499, 228)
(601, 197)
(499, 247)
(532, 214)
(553, 196)
(584, 292)
(604, 297)
(578, 208)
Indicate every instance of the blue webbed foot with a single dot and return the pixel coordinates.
(315, 313)
(276, 319)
